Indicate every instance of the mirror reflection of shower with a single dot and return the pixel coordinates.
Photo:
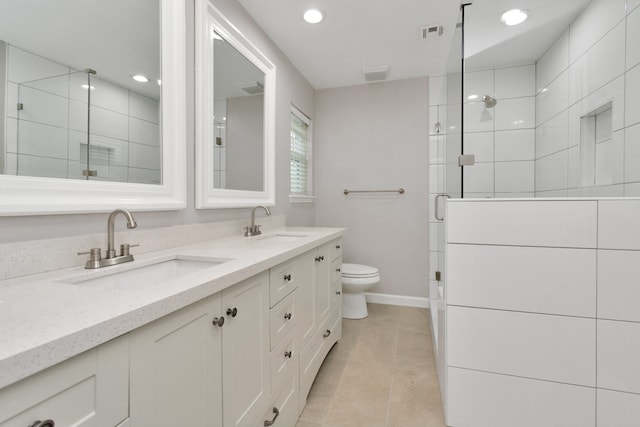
(489, 101)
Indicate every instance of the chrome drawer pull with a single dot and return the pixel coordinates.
(288, 354)
(45, 423)
(287, 316)
(326, 334)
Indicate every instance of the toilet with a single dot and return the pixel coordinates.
(356, 280)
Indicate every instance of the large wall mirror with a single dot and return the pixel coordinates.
(235, 116)
(92, 111)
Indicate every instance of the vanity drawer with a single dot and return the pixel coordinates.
(282, 281)
(89, 389)
(335, 249)
(285, 403)
(284, 361)
(282, 319)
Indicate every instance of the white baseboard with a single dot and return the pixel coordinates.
(397, 300)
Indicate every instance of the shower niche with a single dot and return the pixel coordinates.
(601, 158)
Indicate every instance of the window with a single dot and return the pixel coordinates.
(300, 167)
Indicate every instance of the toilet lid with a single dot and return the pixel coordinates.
(358, 270)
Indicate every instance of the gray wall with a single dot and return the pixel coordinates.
(291, 88)
(369, 137)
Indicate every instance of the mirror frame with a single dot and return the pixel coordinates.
(210, 19)
(24, 195)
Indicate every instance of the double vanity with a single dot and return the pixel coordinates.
(226, 332)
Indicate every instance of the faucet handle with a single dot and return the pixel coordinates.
(247, 230)
(124, 248)
(256, 229)
(95, 254)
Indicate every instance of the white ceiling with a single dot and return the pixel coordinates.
(117, 38)
(360, 33)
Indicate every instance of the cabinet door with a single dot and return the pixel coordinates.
(322, 282)
(306, 296)
(175, 368)
(245, 352)
(88, 390)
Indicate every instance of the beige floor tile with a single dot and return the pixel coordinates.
(375, 343)
(381, 373)
(415, 399)
(414, 349)
(414, 319)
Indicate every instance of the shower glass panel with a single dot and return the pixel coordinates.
(69, 124)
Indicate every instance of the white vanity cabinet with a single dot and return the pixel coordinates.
(246, 379)
(206, 364)
(321, 332)
(91, 389)
(176, 368)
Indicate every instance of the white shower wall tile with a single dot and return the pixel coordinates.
(632, 189)
(633, 35)
(144, 132)
(144, 108)
(12, 99)
(479, 144)
(595, 21)
(437, 90)
(616, 409)
(553, 63)
(553, 99)
(632, 154)
(41, 166)
(478, 118)
(618, 355)
(618, 156)
(515, 177)
(108, 123)
(573, 167)
(478, 84)
(518, 113)
(551, 172)
(144, 176)
(452, 113)
(479, 178)
(25, 67)
(110, 97)
(58, 85)
(453, 88)
(144, 156)
(604, 163)
(435, 125)
(11, 164)
(515, 82)
(632, 5)
(552, 193)
(515, 145)
(78, 116)
(598, 66)
(553, 135)
(632, 106)
(43, 107)
(11, 132)
(42, 140)
(435, 177)
(436, 149)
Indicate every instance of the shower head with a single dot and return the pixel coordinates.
(489, 101)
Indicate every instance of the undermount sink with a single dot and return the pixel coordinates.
(281, 237)
(147, 275)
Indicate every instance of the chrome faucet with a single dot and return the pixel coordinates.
(254, 229)
(96, 260)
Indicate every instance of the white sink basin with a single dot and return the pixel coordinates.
(281, 237)
(147, 275)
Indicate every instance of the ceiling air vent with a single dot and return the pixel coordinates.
(431, 31)
(252, 88)
(373, 74)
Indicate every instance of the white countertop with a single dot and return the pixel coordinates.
(44, 321)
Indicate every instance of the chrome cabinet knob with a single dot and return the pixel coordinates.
(218, 321)
(288, 354)
(287, 316)
(233, 312)
(338, 292)
(326, 333)
(287, 277)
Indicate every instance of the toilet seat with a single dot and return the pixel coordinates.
(358, 271)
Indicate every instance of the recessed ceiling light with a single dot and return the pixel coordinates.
(313, 16)
(140, 78)
(514, 17)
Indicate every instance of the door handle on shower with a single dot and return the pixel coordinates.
(436, 207)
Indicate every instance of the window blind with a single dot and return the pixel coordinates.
(299, 155)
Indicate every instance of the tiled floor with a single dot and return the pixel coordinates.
(381, 374)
